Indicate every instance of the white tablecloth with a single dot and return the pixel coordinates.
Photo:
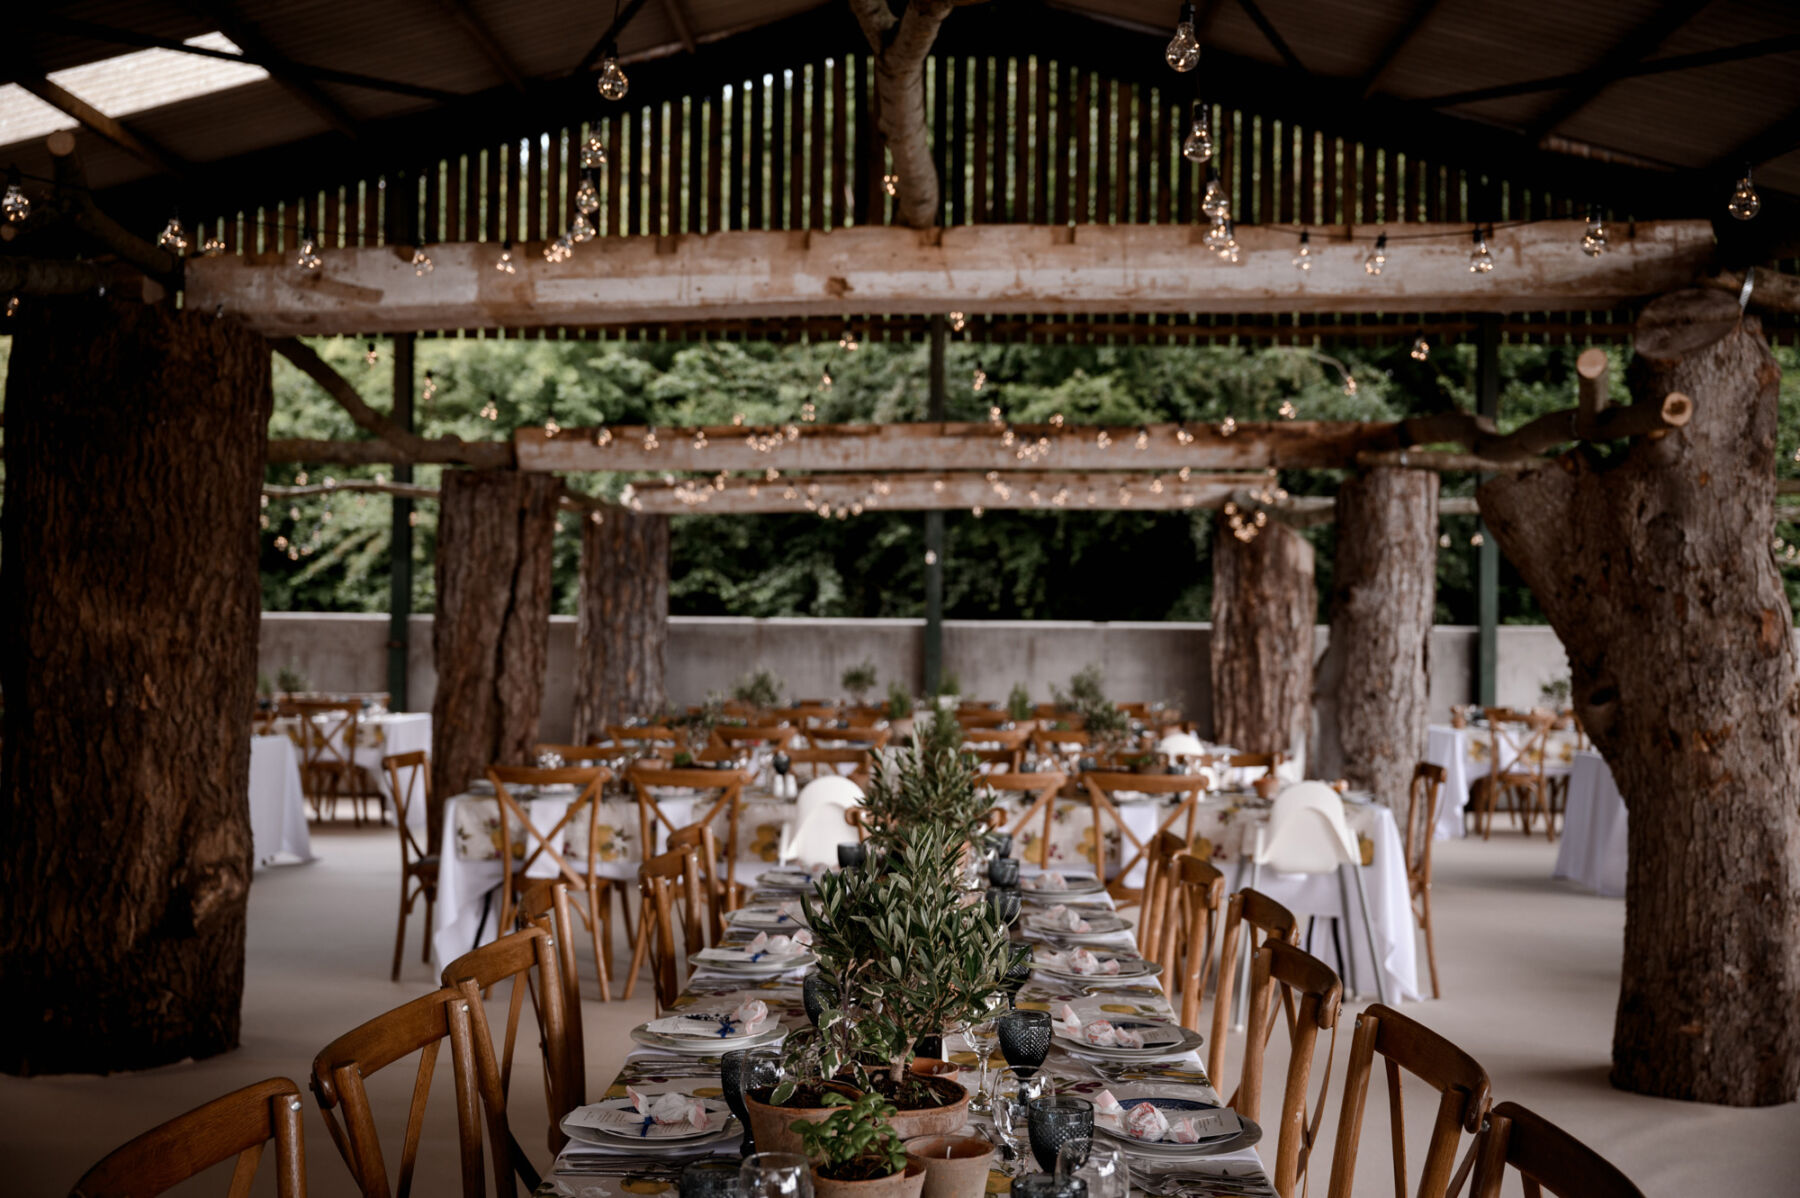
(1593, 839)
(278, 833)
(468, 907)
(1463, 752)
(386, 735)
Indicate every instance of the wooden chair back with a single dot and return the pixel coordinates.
(809, 764)
(868, 737)
(997, 738)
(519, 957)
(1103, 784)
(1190, 928)
(1159, 860)
(420, 1027)
(1406, 1044)
(668, 888)
(1266, 762)
(1043, 785)
(1058, 715)
(580, 754)
(640, 734)
(982, 718)
(409, 782)
(1257, 912)
(741, 735)
(728, 783)
(540, 844)
(546, 903)
(1059, 743)
(240, 1125)
(1546, 1158)
(1421, 826)
(715, 902)
(804, 715)
(1281, 966)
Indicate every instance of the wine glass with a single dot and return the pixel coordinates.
(1054, 1121)
(774, 1175)
(981, 1036)
(1024, 1039)
(1101, 1167)
(1009, 1097)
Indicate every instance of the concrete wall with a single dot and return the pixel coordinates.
(709, 653)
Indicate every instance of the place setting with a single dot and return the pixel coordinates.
(709, 1033)
(773, 917)
(1083, 965)
(762, 956)
(1122, 1039)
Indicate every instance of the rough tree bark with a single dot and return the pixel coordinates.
(1263, 609)
(1653, 566)
(1370, 700)
(134, 440)
(623, 621)
(491, 633)
(900, 45)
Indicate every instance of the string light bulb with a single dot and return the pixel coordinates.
(593, 150)
(1217, 237)
(1230, 252)
(1197, 146)
(371, 355)
(174, 236)
(1183, 51)
(1287, 410)
(613, 84)
(848, 342)
(1349, 384)
(957, 321)
(551, 428)
(1377, 258)
(1481, 260)
(825, 379)
(1421, 348)
(212, 247)
(980, 380)
(587, 196)
(308, 256)
(490, 411)
(421, 262)
(560, 250)
(1593, 242)
(891, 184)
(505, 264)
(429, 391)
(580, 229)
(1744, 204)
(12, 306)
(15, 205)
(1215, 203)
(1303, 258)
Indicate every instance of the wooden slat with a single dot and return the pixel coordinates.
(777, 186)
(1018, 168)
(715, 163)
(1082, 137)
(656, 209)
(794, 159)
(981, 155)
(916, 491)
(696, 170)
(1044, 141)
(817, 217)
(677, 218)
(1121, 199)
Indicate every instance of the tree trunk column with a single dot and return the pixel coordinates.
(1372, 679)
(491, 632)
(623, 625)
(1263, 607)
(1654, 569)
(134, 461)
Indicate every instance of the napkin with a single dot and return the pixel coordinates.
(778, 945)
(1049, 881)
(671, 1108)
(749, 1013)
(1085, 964)
(1100, 1033)
(1066, 919)
(1145, 1122)
(790, 913)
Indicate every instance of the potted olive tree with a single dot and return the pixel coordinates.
(858, 681)
(856, 1153)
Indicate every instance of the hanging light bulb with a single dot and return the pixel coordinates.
(1228, 426)
(1377, 257)
(613, 83)
(212, 247)
(587, 196)
(308, 256)
(1215, 203)
(957, 320)
(421, 262)
(1216, 237)
(848, 342)
(429, 391)
(980, 379)
(593, 150)
(1231, 250)
(1303, 259)
(371, 355)
(551, 428)
(1287, 410)
(1593, 241)
(15, 205)
(504, 264)
(1349, 384)
(12, 306)
(825, 379)
(490, 411)
(1481, 262)
(1183, 52)
(1421, 348)
(1197, 146)
(174, 236)
(891, 184)
(1745, 203)
(560, 250)
(580, 229)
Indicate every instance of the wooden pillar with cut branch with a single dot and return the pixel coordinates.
(1371, 689)
(490, 635)
(622, 626)
(1263, 607)
(134, 461)
(1653, 566)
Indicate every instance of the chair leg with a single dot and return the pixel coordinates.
(599, 918)
(1430, 941)
(639, 948)
(1362, 898)
(400, 932)
(1240, 1018)
(1344, 906)
(430, 924)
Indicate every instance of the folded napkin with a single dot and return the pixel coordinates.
(1082, 963)
(1146, 1122)
(746, 1020)
(778, 945)
(1066, 919)
(790, 913)
(1047, 881)
(1100, 1033)
(676, 1112)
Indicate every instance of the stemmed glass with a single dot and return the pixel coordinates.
(1018, 972)
(774, 1175)
(1101, 1167)
(1024, 1039)
(980, 1034)
(1009, 1097)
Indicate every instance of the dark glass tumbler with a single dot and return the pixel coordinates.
(1048, 1185)
(1005, 904)
(710, 1179)
(1056, 1120)
(816, 994)
(998, 844)
(1024, 1039)
(852, 855)
(1018, 972)
(1003, 872)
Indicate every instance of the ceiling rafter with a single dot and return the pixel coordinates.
(616, 27)
(113, 130)
(250, 39)
(1785, 44)
(684, 30)
(1390, 52)
(483, 38)
(1273, 35)
(1627, 52)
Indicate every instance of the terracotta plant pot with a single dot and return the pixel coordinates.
(947, 1120)
(905, 1184)
(770, 1125)
(955, 1166)
(932, 1067)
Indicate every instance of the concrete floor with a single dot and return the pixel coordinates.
(1529, 967)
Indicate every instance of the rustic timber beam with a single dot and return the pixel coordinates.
(1770, 290)
(483, 38)
(1404, 32)
(249, 38)
(91, 118)
(1439, 460)
(85, 214)
(1012, 269)
(845, 495)
(1636, 45)
(571, 501)
(37, 276)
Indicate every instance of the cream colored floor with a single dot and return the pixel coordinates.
(1530, 972)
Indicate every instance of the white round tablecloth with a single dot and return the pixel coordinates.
(1464, 753)
(1594, 827)
(278, 834)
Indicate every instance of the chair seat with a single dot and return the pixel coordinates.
(427, 864)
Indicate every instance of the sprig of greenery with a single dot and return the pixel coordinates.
(1018, 702)
(855, 1138)
(899, 701)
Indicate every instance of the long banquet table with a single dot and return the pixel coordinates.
(1236, 1174)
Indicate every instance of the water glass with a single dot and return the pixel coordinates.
(774, 1175)
(1024, 1039)
(1005, 904)
(1048, 1185)
(980, 1034)
(1101, 1167)
(713, 1178)
(1018, 972)
(1055, 1120)
(733, 1067)
(999, 845)
(1003, 872)
(1010, 1096)
(852, 855)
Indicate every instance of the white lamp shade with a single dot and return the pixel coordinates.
(1181, 744)
(830, 789)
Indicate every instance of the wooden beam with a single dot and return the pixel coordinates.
(683, 30)
(482, 37)
(71, 182)
(1654, 66)
(1013, 269)
(91, 118)
(610, 36)
(445, 451)
(1276, 41)
(845, 495)
(1631, 49)
(1403, 34)
(1591, 388)
(249, 38)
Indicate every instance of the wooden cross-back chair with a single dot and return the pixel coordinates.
(1406, 1044)
(736, 736)
(265, 720)
(804, 715)
(1044, 785)
(326, 737)
(668, 888)
(1102, 785)
(529, 958)
(1268, 763)
(546, 904)
(1516, 761)
(1014, 739)
(548, 845)
(421, 1027)
(853, 736)
(1153, 907)
(1421, 825)
(409, 781)
(981, 718)
(728, 783)
(1058, 743)
(1281, 966)
(1194, 908)
(1545, 1157)
(809, 764)
(240, 1125)
(1055, 714)
(1246, 913)
(716, 894)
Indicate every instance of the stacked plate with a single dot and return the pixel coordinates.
(615, 1123)
(694, 1042)
(1073, 885)
(767, 917)
(1056, 965)
(1162, 1040)
(799, 881)
(759, 964)
(1101, 925)
(1229, 1132)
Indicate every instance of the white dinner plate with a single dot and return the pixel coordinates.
(736, 960)
(704, 1048)
(620, 1132)
(1100, 923)
(1130, 969)
(766, 917)
(797, 880)
(1160, 1038)
(706, 1028)
(1073, 884)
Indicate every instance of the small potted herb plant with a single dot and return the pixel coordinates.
(760, 691)
(859, 680)
(1018, 703)
(856, 1153)
(899, 708)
